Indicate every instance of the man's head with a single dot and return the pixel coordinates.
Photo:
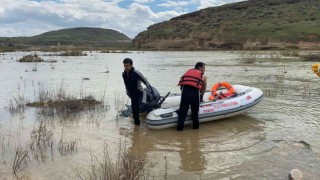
(201, 66)
(127, 63)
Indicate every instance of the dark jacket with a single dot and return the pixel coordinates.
(133, 80)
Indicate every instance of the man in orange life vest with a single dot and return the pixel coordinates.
(132, 80)
(193, 86)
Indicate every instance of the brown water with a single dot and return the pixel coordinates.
(260, 144)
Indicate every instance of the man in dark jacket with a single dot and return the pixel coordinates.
(132, 80)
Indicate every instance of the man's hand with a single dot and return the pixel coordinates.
(201, 98)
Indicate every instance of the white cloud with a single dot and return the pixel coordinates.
(17, 15)
(206, 3)
(28, 18)
(212, 3)
(175, 3)
(143, 1)
(139, 17)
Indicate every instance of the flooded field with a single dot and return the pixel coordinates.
(278, 135)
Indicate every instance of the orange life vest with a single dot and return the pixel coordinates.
(193, 77)
(316, 69)
(214, 94)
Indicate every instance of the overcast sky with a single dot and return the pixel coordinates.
(29, 18)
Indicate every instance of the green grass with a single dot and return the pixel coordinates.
(74, 36)
(272, 20)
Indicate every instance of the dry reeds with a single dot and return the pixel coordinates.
(62, 101)
(41, 136)
(66, 148)
(45, 94)
(17, 103)
(114, 51)
(313, 57)
(20, 160)
(34, 68)
(72, 52)
(125, 166)
(3, 147)
(290, 53)
(103, 94)
(119, 101)
(31, 58)
(51, 61)
(248, 57)
(41, 140)
(273, 56)
(306, 92)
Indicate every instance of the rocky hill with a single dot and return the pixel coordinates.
(82, 36)
(252, 24)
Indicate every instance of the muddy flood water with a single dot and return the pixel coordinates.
(278, 135)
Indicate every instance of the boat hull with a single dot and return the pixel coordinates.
(167, 116)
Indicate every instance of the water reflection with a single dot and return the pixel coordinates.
(191, 156)
(198, 151)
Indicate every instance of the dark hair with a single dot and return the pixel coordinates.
(199, 65)
(127, 61)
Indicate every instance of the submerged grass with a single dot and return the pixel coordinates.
(41, 139)
(280, 82)
(248, 57)
(31, 58)
(72, 52)
(62, 101)
(69, 104)
(20, 160)
(306, 90)
(17, 103)
(125, 166)
(290, 53)
(312, 57)
(66, 148)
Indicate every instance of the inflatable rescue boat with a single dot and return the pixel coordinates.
(244, 99)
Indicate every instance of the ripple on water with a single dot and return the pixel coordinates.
(201, 150)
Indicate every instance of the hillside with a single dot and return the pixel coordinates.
(252, 24)
(83, 36)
